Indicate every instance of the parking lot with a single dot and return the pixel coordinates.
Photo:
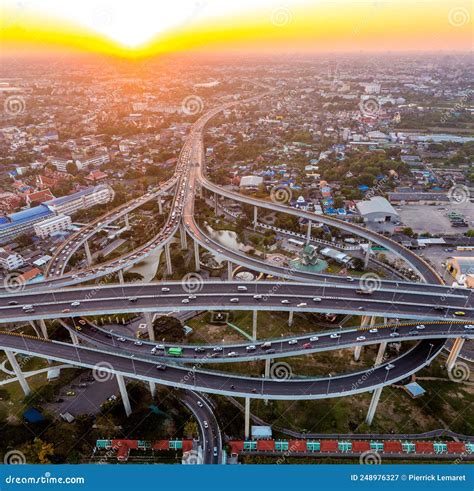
(434, 219)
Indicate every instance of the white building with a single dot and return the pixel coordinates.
(251, 181)
(372, 88)
(52, 225)
(61, 164)
(68, 205)
(377, 209)
(10, 260)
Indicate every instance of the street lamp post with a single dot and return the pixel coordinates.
(329, 383)
(429, 352)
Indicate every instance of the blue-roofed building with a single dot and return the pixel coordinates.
(22, 222)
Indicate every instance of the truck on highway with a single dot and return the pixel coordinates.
(175, 351)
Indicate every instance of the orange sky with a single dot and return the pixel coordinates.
(319, 26)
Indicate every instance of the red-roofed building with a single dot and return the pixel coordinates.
(266, 445)
(39, 197)
(29, 275)
(96, 175)
(297, 446)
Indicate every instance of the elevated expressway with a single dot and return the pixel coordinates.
(225, 383)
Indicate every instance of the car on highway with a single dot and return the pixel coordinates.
(199, 349)
(205, 424)
(232, 354)
(335, 336)
(302, 304)
(469, 326)
(214, 452)
(394, 334)
(307, 346)
(251, 348)
(266, 345)
(317, 299)
(138, 343)
(292, 341)
(75, 304)
(373, 331)
(242, 288)
(12, 302)
(360, 338)
(161, 367)
(200, 404)
(420, 327)
(258, 297)
(313, 338)
(389, 366)
(459, 313)
(285, 301)
(165, 289)
(234, 300)
(185, 300)
(121, 339)
(66, 311)
(217, 348)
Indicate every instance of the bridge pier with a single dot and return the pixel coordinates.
(33, 325)
(44, 331)
(216, 204)
(373, 405)
(308, 233)
(367, 255)
(454, 353)
(290, 318)
(19, 374)
(149, 325)
(357, 351)
(160, 205)
(254, 325)
(184, 240)
(120, 276)
(255, 217)
(268, 362)
(197, 264)
(152, 389)
(247, 418)
(169, 266)
(229, 270)
(127, 222)
(380, 353)
(124, 394)
(74, 337)
(88, 253)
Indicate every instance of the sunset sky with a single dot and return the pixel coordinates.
(145, 27)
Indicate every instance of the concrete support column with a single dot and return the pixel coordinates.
(19, 374)
(290, 318)
(453, 354)
(268, 362)
(254, 325)
(229, 270)
(184, 239)
(255, 217)
(149, 325)
(357, 351)
(216, 204)
(124, 394)
(127, 223)
(308, 233)
(33, 325)
(152, 388)
(373, 405)
(120, 276)
(247, 418)
(367, 255)
(74, 338)
(380, 353)
(169, 266)
(44, 331)
(197, 264)
(160, 205)
(88, 253)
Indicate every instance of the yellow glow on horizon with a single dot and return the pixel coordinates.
(341, 25)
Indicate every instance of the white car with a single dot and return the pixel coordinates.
(292, 341)
(317, 299)
(361, 338)
(313, 338)
(469, 326)
(251, 348)
(420, 326)
(165, 289)
(394, 334)
(200, 404)
(234, 300)
(185, 300)
(302, 304)
(285, 301)
(205, 424)
(335, 336)
(374, 331)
